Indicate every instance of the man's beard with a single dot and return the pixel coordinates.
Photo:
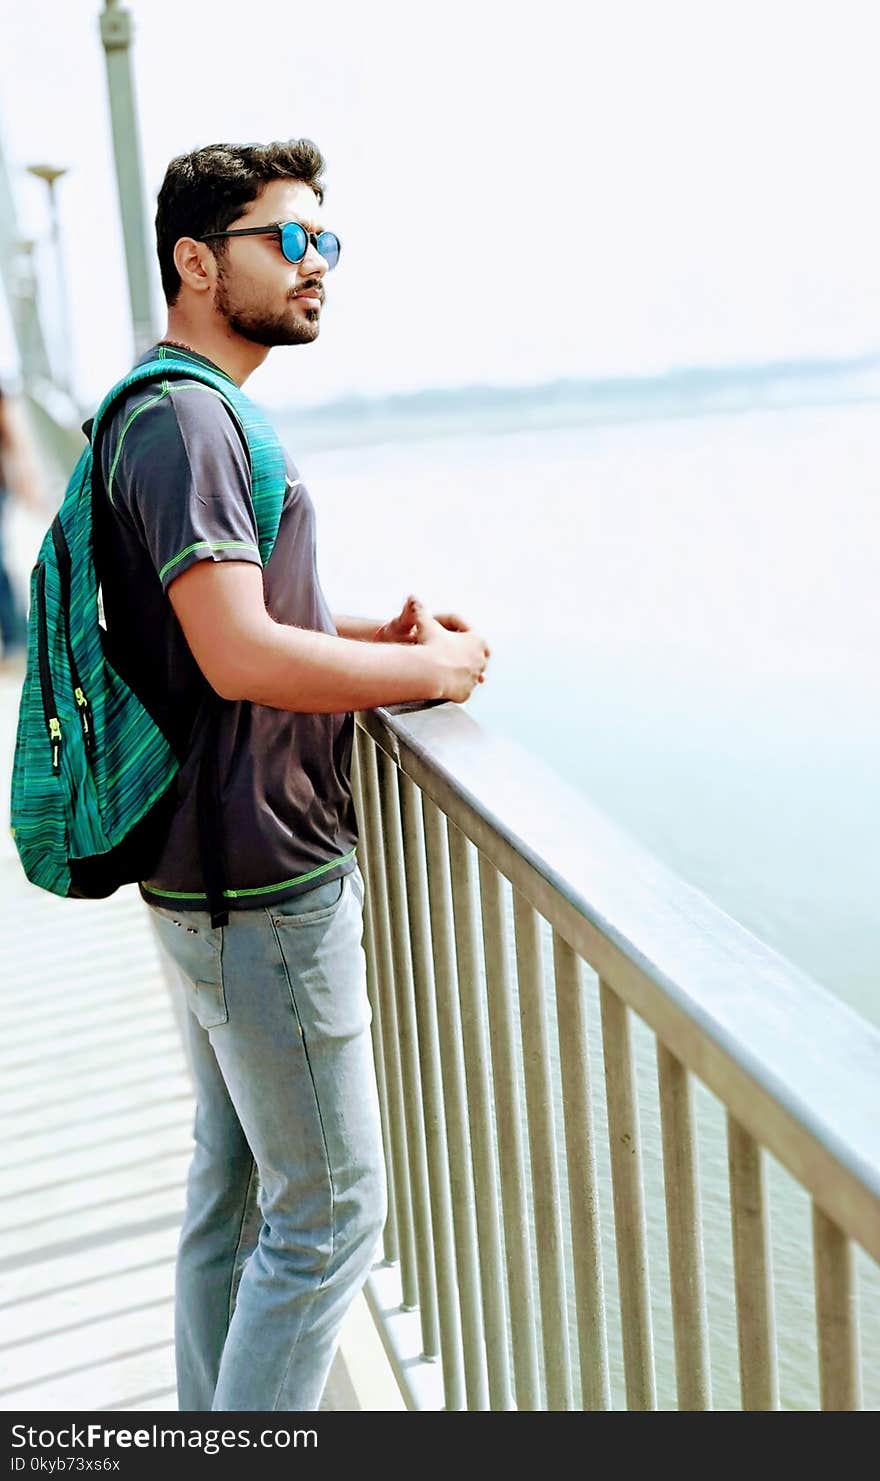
(264, 328)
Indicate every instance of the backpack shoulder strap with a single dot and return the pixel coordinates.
(268, 466)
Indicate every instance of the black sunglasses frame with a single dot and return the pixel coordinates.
(277, 229)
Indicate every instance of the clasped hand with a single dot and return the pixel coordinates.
(410, 623)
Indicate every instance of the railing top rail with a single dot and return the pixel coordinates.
(796, 1066)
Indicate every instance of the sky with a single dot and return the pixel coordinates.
(523, 192)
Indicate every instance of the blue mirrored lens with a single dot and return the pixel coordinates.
(328, 246)
(294, 241)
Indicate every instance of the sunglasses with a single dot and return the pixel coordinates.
(293, 238)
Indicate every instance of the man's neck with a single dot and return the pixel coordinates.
(228, 351)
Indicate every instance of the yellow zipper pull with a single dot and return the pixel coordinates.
(84, 711)
(55, 738)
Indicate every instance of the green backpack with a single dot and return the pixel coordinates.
(93, 776)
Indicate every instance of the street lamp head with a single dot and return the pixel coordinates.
(49, 173)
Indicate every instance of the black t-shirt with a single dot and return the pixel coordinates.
(177, 485)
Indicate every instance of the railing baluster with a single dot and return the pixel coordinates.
(684, 1230)
(629, 1203)
(511, 1149)
(582, 1184)
(477, 1065)
(837, 1316)
(542, 1149)
(432, 1095)
(389, 1234)
(455, 1096)
(381, 934)
(395, 868)
(750, 1219)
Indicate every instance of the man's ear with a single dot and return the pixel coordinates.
(195, 264)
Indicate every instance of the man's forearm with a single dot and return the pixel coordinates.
(360, 628)
(297, 669)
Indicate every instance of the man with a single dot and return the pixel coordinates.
(278, 1020)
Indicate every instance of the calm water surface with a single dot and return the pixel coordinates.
(685, 621)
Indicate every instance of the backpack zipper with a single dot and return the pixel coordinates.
(50, 709)
(84, 709)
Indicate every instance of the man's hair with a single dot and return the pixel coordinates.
(206, 190)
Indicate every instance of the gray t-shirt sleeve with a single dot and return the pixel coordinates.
(178, 471)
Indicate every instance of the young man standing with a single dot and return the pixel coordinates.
(286, 1194)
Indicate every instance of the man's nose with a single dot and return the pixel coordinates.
(313, 262)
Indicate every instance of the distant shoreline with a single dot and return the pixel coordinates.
(697, 391)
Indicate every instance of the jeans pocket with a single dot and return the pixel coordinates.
(197, 951)
(313, 906)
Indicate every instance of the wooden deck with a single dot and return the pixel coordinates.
(95, 1134)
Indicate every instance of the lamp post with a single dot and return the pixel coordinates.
(116, 31)
(51, 174)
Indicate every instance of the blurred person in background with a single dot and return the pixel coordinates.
(19, 479)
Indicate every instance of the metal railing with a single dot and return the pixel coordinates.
(595, 1089)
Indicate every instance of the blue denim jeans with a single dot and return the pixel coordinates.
(286, 1196)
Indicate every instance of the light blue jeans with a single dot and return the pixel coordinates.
(286, 1196)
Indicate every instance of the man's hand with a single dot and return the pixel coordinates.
(462, 652)
(405, 627)
(454, 642)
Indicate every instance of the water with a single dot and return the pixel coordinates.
(684, 617)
